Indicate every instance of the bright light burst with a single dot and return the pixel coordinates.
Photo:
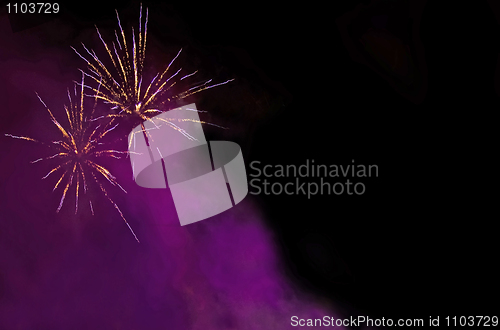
(78, 152)
(123, 86)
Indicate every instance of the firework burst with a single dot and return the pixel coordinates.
(122, 84)
(78, 152)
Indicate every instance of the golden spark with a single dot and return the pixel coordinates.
(78, 152)
(122, 83)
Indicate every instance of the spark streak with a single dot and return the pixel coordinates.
(78, 153)
(122, 82)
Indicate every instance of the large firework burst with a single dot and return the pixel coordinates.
(78, 152)
(122, 84)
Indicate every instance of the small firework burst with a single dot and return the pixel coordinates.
(78, 152)
(122, 84)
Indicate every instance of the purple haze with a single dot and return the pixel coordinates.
(66, 271)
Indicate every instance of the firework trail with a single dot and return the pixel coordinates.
(78, 152)
(123, 86)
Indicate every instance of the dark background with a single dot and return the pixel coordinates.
(421, 241)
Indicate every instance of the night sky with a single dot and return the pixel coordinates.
(419, 242)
